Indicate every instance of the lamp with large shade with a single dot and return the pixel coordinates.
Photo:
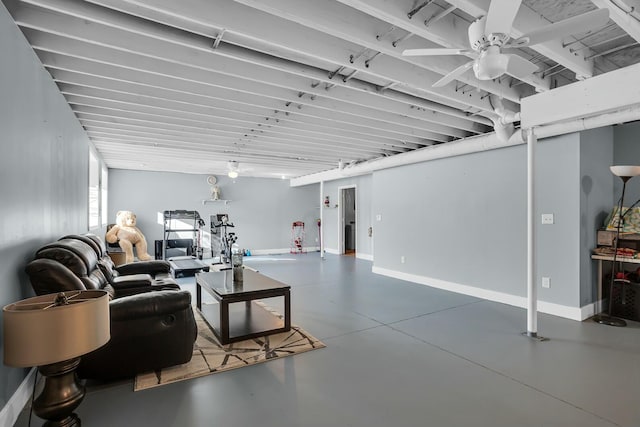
(52, 332)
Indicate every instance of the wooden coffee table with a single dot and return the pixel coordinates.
(238, 316)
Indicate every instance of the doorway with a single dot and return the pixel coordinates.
(348, 220)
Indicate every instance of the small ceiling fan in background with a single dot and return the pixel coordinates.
(489, 35)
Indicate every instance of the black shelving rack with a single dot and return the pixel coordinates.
(190, 222)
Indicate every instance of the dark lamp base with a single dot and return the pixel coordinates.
(605, 319)
(61, 394)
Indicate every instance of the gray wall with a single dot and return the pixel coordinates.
(262, 209)
(455, 219)
(596, 200)
(627, 152)
(558, 193)
(463, 219)
(364, 219)
(43, 172)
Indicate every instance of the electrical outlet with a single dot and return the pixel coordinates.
(378, 217)
(402, 259)
(546, 282)
(547, 219)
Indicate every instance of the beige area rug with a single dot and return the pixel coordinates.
(210, 357)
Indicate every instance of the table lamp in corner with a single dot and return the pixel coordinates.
(52, 332)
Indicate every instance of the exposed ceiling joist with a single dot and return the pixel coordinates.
(293, 87)
(625, 15)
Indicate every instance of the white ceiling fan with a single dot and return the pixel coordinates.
(489, 35)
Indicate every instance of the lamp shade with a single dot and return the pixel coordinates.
(40, 330)
(625, 171)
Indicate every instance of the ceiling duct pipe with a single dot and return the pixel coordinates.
(503, 122)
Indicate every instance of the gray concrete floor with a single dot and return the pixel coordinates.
(398, 354)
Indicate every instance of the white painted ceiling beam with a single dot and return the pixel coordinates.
(357, 93)
(73, 64)
(115, 145)
(309, 145)
(248, 86)
(238, 101)
(159, 92)
(126, 32)
(526, 21)
(146, 109)
(190, 125)
(392, 95)
(348, 24)
(253, 129)
(220, 143)
(115, 109)
(266, 138)
(182, 161)
(211, 109)
(613, 91)
(265, 28)
(622, 15)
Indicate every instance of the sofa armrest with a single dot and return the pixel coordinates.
(151, 267)
(149, 304)
(132, 281)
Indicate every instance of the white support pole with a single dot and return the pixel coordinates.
(321, 236)
(532, 297)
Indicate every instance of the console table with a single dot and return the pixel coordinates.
(238, 316)
(600, 259)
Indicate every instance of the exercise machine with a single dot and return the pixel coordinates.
(219, 225)
(181, 222)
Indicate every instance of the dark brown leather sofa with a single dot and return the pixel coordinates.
(152, 322)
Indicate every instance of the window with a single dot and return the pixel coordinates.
(103, 196)
(94, 191)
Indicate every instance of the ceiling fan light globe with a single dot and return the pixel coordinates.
(490, 65)
(232, 174)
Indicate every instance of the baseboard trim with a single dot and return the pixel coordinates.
(281, 251)
(332, 251)
(572, 313)
(367, 257)
(11, 411)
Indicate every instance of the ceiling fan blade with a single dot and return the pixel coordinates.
(434, 52)
(577, 24)
(519, 67)
(453, 74)
(501, 15)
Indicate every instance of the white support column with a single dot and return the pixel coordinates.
(532, 291)
(532, 297)
(321, 219)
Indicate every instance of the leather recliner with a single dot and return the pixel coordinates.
(152, 324)
(157, 269)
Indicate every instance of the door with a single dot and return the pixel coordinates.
(348, 220)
